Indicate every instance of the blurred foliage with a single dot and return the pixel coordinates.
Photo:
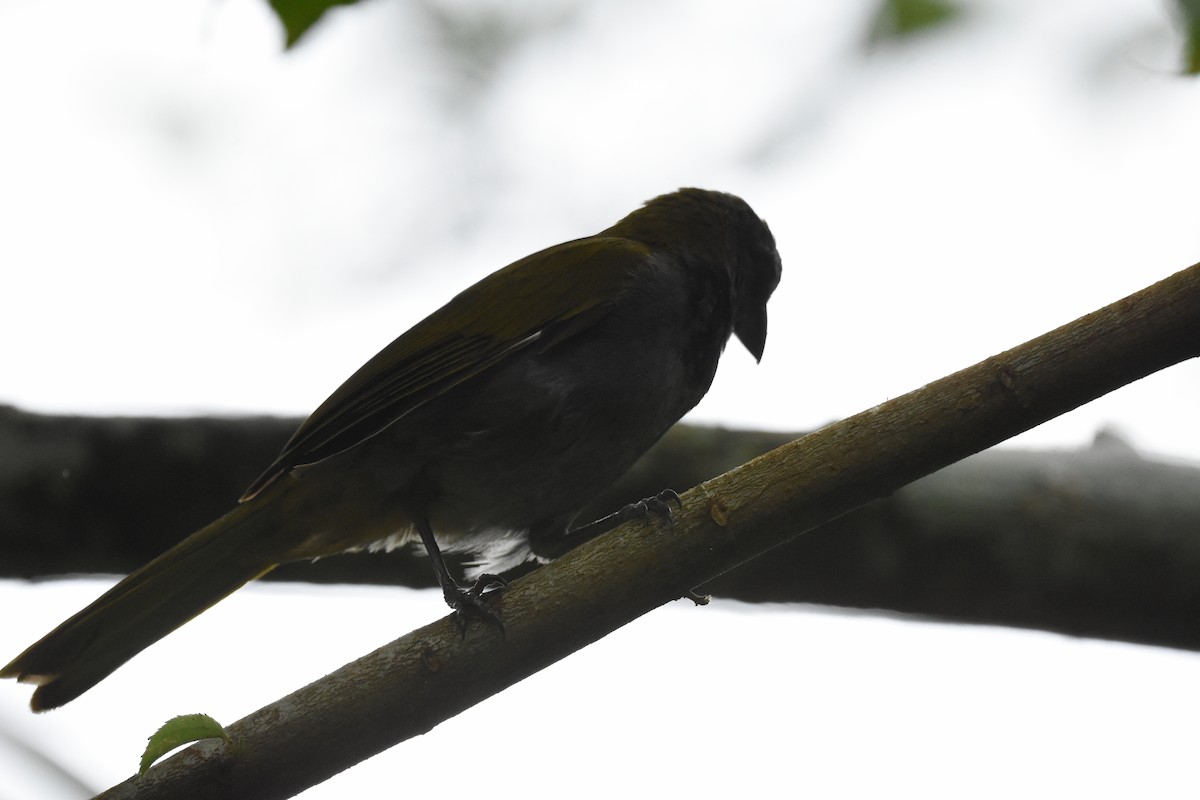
(475, 40)
(1189, 20)
(482, 35)
(298, 16)
(901, 19)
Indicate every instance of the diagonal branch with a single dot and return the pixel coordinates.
(412, 684)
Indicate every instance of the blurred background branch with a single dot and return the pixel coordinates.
(1093, 542)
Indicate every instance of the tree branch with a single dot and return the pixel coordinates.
(407, 687)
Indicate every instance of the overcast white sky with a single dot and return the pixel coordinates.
(195, 221)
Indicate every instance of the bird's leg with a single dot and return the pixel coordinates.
(465, 602)
(659, 505)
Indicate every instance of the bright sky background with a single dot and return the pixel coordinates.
(192, 220)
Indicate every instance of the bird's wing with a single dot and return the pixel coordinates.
(544, 298)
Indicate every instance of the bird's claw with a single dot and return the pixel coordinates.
(659, 505)
(475, 602)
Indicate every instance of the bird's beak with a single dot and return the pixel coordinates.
(751, 331)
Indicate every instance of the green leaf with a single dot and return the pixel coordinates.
(177, 732)
(900, 19)
(1189, 18)
(298, 16)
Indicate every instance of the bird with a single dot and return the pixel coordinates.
(483, 429)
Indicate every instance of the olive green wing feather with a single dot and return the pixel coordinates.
(545, 297)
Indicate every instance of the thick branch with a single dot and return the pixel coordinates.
(407, 687)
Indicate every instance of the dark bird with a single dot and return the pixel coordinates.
(483, 429)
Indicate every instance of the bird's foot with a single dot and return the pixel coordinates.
(550, 548)
(659, 506)
(475, 602)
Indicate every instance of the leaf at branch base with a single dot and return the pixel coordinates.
(178, 732)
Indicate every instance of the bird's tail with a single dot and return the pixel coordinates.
(146, 606)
